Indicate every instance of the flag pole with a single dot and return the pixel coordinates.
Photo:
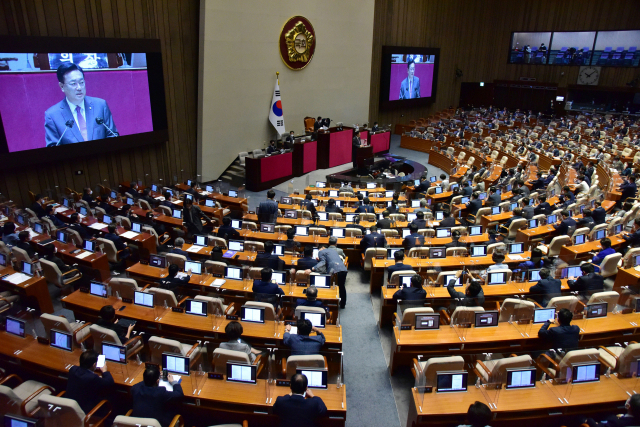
(278, 76)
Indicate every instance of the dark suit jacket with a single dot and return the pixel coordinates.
(27, 247)
(563, 227)
(494, 200)
(297, 411)
(228, 232)
(599, 215)
(306, 263)
(384, 223)
(372, 240)
(463, 299)
(587, 284)
(81, 230)
(268, 211)
(269, 260)
(615, 421)
(447, 222)
(37, 209)
(260, 287)
(473, 206)
(415, 88)
(117, 241)
(628, 190)
(179, 251)
(586, 222)
(633, 239)
(564, 337)
(466, 191)
(410, 294)
(365, 209)
(56, 116)
(412, 240)
(420, 223)
(173, 283)
(542, 208)
(193, 219)
(81, 381)
(397, 267)
(155, 402)
(545, 290)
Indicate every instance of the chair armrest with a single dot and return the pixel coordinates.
(192, 349)
(93, 411)
(497, 305)
(75, 333)
(580, 303)
(230, 307)
(131, 342)
(259, 364)
(23, 405)
(177, 421)
(183, 300)
(61, 393)
(284, 367)
(536, 304)
(245, 423)
(8, 377)
(483, 366)
(543, 368)
(444, 315)
(610, 353)
(74, 271)
(145, 286)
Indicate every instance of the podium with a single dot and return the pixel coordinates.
(364, 156)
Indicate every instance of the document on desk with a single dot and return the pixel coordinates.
(515, 257)
(98, 226)
(637, 267)
(204, 193)
(218, 282)
(161, 198)
(167, 384)
(294, 330)
(194, 249)
(17, 278)
(129, 235)
(180, 275)
(83, 255)
(32, 233)
(60, 209)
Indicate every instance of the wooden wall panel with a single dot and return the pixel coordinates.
(176, 24)
(474, 36)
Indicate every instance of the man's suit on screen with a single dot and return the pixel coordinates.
(57, 115)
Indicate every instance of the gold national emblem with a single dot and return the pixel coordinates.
(299, 42)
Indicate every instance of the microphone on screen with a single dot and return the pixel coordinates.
(100, 121)
(68, 125)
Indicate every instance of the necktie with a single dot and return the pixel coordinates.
(81, 123)
(410, 84)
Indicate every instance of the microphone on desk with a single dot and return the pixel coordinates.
(68, 125)
(100, 121)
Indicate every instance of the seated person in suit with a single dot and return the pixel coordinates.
(365, 207)
(307, 262)
(48, 213)
(413, 239)
(23, 243)
(226, 231)
(546, 288)
(455, 240)
(108, 320)
(598, 214)
(146, 196)
(423, 207)
(307, 204)
(423, 186)
(300, 407)
(312, 299)
(565, 224)
(628, 189)
(265, 286)
(494, 237)
(415, 292)
(498, 262)
(466, 190)
(474, 204)
(356, 225)
(543, 208)
(83, 378)
(193, 189)
(49, 254)
(538, 183)
(633, 238)
(447, 220)
(586, 220)
(171, 282)
(117, 241)
(567, 197)
(290, 244)
(177, 248)
(87, 196)
(332, 207)
(374, 239)
(587, 284)
(478, 415)
(234, 330)
(420, 222)
(473, 295)
(564, 336)
(272, 147)
(517, 214)
(268, 258)
(494, 198)
(151, 401)
(629, 419)
(527, 210)
(385, 222)
(76, 226)
(37, 206)
(301, 343)
(399, 265)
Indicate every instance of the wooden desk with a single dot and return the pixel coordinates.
(526, 407)
(267, 172)
(35, 290)
(185, 327)
(233, 203)
(378, 266)
(576, 252)
(505, 338)
(214, 398)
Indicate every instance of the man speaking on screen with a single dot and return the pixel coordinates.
(77, 118)
(410, 87)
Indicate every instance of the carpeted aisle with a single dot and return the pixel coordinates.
(370, 400)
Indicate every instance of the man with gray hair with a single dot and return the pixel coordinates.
(423, 207)
(177, 248)
(331, 262)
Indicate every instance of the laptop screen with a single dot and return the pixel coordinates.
(27, 268)
(322, 216)
(237, 372)
(194, 266)
(495, 210)
(533, 223)
(158, 261)
(3, 260)
(236, 245)
(61, 340)
(534, 275)
(585, 372)
(234, 273)
(427, 321)
(89, 245)
(98, 289)
(436, 253)
(337, 232)
(279, 277)
(209, 203)
(317, 319)
(320, 280)
(391, 252)
(600, 234)
(371, 185)
(15, 326)
(233, 193)
(177, 213)
(291, 213)
(450, 277)
(521, 378)
(114, 353)
(443, 232)
(236, 224)
(315, 378)
(475, 230)
(482, 196)
(516, 248)
(449, 382)
(551, 219)
(142, 298)
(439, 215)
(38, 228)
(320, 184)
(579, 239)
(107, 219)
(175, 364)
(415, 203)
(486, 319)
(542, 315)
(433, 178)
(285, 200)
(200, 240)
(438, 190)
(19, 421)
(61, 236)
(252, 314)
(497, 278)
(411, 217)
(571, 272)
(333, 193)
(302, 231)
(597, 310)
(478, 250)
(196, 307)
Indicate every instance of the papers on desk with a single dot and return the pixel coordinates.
(82, 216)
(32, 233)
(194, 249)
(129, 235)
(161, 198)
(167, 384)
(294, 330)
(98, 226)
(180, 275)
(17, 278)
(218, 282)
(637, 267)
(204, 193)
(60, 209)
(515, 257)
(3, 218)
(83, 255)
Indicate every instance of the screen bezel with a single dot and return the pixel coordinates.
(496, 313)
(187, 305)
(466, 379)
(539, 310)
(164, 363)
(254, 375)
(385, 77)
(577, 365)
(419, 315)
(51, 340)
(119, 347)
(153, 299)
(325, 381)
(22, 322)
(98, 283)
(606, 310)
(226, 270)
(153, 51)
(510, 375)
(163, 258)
(323, 316)
(312, 280)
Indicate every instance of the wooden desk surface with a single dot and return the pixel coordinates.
(35, 289)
